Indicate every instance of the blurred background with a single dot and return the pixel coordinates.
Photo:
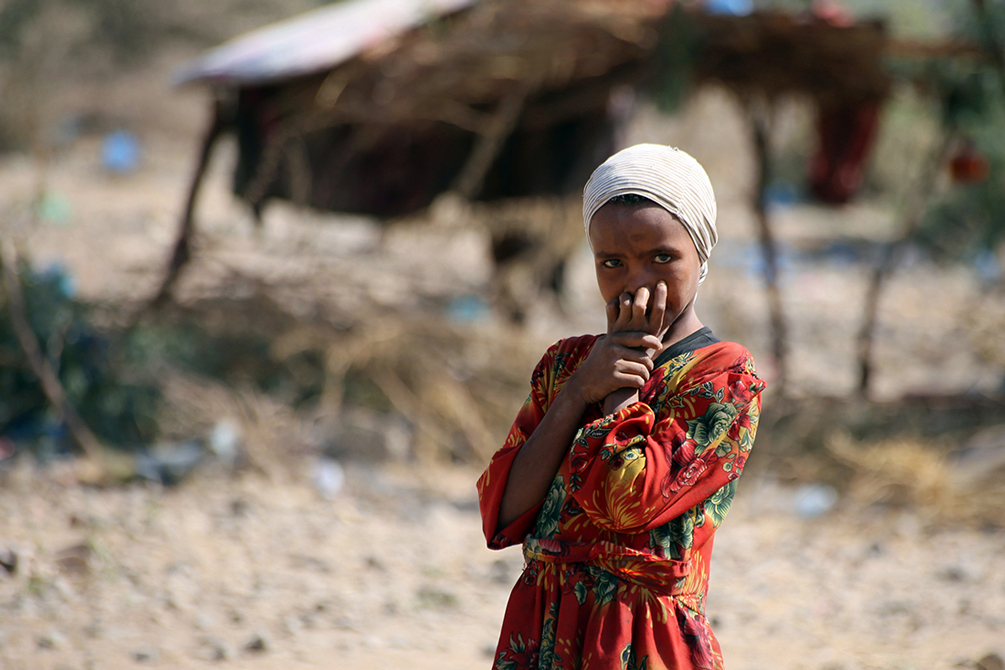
(276, 273)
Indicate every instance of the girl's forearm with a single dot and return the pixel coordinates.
(541, 455)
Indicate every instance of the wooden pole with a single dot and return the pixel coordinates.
(769, 248)
(991, 38)
(893, 252)
(182, 252)
(501, 125)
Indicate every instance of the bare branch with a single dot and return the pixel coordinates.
(40, 366)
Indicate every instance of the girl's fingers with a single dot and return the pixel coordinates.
(659, 308)
(644, 311)
(637, 356)
(632, 360)
(651, 342)
(626, 306)
(618, 360)
(635, 368)
(640, 305)
(637, 362)
(631, 380)
(624, 312)
(636, 339)
(613, 312)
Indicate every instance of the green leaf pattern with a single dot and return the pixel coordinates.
(580, 591)
(551, 512)
(628, 660)
(632, 453)
(718, 503)
(605, 585)
(677, 535)
(706, 429)
(547, 658)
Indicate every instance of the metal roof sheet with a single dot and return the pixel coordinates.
(313, 41)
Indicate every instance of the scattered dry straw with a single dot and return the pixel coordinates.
(908, 472)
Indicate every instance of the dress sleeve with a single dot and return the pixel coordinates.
(492, 483)
(631, 473)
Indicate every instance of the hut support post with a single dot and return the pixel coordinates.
(914, 210)
(991, 38)
(182, 248)
(501, 125)
(769, 248)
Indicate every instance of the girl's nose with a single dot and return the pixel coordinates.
(637, 280)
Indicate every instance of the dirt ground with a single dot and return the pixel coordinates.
(262, 572)
(255, 568)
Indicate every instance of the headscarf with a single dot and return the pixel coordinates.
(669, 177)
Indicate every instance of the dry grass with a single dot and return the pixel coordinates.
(912, 473)
(445, 381)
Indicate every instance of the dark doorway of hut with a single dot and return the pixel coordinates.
(451, 104)
(531, 238)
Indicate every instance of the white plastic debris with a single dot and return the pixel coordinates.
(328, 477)
(813, 500)
(225, 440)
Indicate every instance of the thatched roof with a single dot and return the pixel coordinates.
(474, 51)
(314, 41)
(776, 54)
(395, 101)
(379, 106)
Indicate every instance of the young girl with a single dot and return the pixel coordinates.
(623, 460)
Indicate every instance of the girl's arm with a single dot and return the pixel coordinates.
(616, 368)
(538, 460)
(616, 362)
(631, 473)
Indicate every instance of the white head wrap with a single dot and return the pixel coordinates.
(669, 177)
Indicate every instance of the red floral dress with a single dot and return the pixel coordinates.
(617, 554)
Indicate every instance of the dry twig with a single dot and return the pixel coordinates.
(38, 363)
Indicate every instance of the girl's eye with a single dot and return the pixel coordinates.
(611, 263)
(663, 258)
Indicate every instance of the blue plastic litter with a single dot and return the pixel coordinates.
(120, 152)
(467, 309)
(730, 7)
(57, 274)
(781, 194)
(987, 266)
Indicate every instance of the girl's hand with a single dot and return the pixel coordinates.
(617, 361)
(638, 313)
(635, 330)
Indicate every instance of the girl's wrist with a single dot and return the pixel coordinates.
(572, 395)
(619, 399)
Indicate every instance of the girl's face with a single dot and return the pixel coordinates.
(639, 245)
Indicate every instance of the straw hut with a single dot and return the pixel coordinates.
(379, 106)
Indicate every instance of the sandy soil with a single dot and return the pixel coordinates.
(253, 572)
(256, 569)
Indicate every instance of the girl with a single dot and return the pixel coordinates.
(623, 460)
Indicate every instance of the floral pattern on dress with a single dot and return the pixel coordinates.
(617, 553)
